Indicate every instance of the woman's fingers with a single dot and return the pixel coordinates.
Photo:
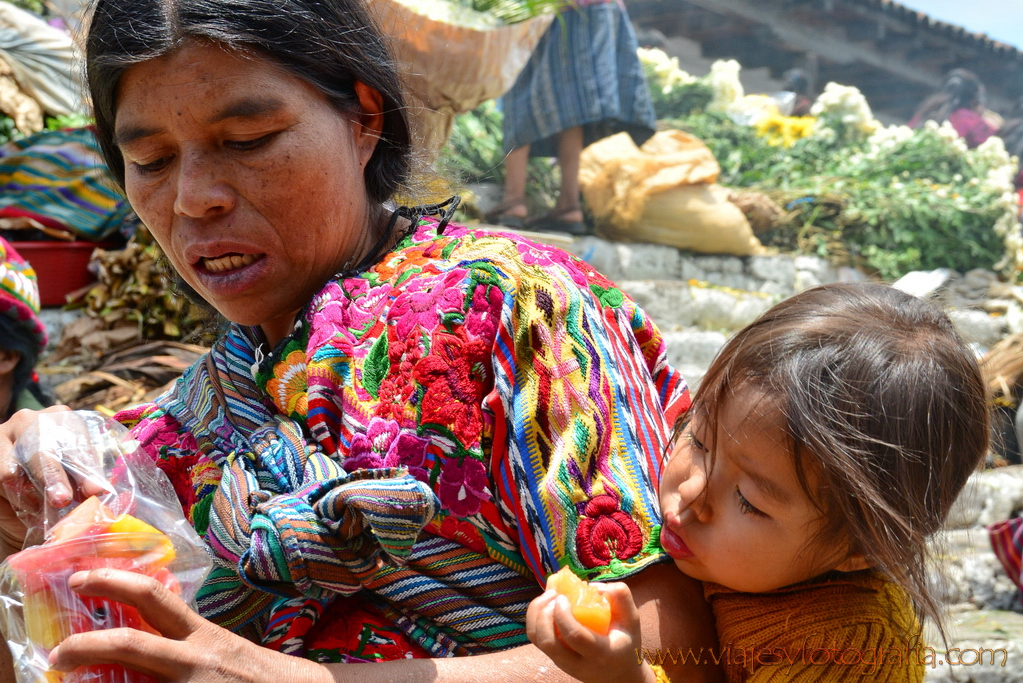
(160, 608)
(143, 652)
(18, 493)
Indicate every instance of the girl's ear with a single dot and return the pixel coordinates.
(854, 563)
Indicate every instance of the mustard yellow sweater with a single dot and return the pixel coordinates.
(854, 626)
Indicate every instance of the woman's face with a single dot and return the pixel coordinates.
(247, 176)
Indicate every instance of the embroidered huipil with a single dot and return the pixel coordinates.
(440, 433)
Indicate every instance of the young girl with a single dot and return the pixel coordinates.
(825, 444)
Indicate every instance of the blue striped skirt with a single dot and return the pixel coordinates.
(583, 72)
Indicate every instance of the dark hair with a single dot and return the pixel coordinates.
(14, 337)
(885, 408)
(328, 43)
(962, 90)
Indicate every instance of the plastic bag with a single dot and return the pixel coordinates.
(133, 522)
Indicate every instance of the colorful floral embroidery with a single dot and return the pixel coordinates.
(606, 533)
(463, 486)
(506, 375)
(287, 388)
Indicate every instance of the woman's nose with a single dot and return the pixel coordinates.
(201, 189)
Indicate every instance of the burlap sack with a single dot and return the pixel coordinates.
(449, 69)
(664, 192)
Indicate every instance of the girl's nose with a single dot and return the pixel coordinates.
(693, 494)
(201, 191)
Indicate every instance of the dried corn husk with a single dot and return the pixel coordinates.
(1002, 367)
(130, 376)
(136, 284)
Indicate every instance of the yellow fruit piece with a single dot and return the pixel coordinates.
(42, 619)
(589, 606)
(141, 539)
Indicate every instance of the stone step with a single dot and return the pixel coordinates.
(675, 305)
(690, 352)
(778, 274)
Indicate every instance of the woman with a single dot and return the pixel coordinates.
(409, 424)
(961, 102)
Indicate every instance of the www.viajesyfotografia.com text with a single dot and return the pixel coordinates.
(866, 660)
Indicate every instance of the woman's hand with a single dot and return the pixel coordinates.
(585, 654)
(16, 488)
(189, 648)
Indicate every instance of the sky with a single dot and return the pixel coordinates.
(1001, 19)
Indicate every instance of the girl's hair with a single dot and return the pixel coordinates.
(962, 90)
(886, 412)
(328, 43)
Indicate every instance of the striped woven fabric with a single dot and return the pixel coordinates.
(59, 178)
(583, 72)
(1007, 542)
(439, 434)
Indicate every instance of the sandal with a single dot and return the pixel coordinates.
(553, 221)
(499, 216)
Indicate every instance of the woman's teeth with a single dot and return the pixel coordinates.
(223, 263)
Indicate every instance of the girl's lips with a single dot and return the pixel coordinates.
(674, 545)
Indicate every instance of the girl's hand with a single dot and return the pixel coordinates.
(582, 653)
(189, 647)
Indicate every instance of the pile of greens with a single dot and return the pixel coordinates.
(896, 201)
(474, 154)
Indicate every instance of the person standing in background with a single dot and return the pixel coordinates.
(582, 83)
(961, 102)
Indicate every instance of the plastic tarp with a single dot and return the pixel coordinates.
(43, 59)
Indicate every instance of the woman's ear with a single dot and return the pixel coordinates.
(854, 563)
(371, 120)
(8, 361)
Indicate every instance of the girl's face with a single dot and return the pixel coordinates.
(743, 522)
(251, 181)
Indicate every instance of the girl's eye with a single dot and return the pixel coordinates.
(696, 442)
(746, 507)
(248, 145)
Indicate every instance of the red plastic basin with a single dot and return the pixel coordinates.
(62, 267)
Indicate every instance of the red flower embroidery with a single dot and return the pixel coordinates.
(605, 532)
(463, 532)
(454, 376)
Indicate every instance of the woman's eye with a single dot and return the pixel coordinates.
(248, 145)
(746, 507)
(153, 166)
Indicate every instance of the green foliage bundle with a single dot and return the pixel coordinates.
(515, 11)
(895, 200)
(474, 154)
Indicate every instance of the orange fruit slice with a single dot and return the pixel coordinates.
(91, 517)
(589, 606)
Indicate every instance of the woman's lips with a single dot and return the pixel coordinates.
(229, 262)
(674, 545)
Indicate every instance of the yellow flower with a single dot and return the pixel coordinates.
(784, 131)
(289, 387)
